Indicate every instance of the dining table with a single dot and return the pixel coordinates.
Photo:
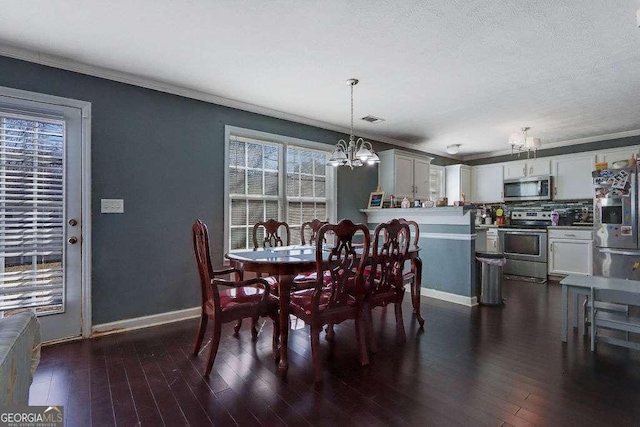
(286, 262)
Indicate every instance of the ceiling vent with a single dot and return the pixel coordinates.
(372, 119)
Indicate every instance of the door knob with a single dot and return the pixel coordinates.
(73, 240)
(73, 222)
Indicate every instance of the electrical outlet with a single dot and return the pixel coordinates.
(113, 206)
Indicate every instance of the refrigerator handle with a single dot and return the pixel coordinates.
(619, 251)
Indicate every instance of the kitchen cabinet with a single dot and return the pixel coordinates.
(616, 155)
(493, 241)
(572, 177)
(523, 169)
(458, 180)
(570, 252)
(486, 183)
(404, 175)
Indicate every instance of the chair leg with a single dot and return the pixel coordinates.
(331, 333)
(236, 329)
(368, 324)
(200, 335)
(592, 317)
(254, 329)
(360, 338)
(400, 335)
(315, 352)
(585, 317)
(215, 342)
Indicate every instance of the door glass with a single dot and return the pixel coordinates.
(523, 244)
(31, 215)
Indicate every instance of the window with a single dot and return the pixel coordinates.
(31, 214)
(275, 177)
(436, 182)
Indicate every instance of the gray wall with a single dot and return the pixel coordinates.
(163, 154)
(578, 148)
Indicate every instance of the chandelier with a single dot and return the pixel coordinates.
(520, 141)
(355, 152)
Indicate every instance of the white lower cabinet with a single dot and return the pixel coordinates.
(571, 252)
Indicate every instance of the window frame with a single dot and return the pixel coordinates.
(331, 189)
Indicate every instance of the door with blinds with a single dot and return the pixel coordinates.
(40, 214)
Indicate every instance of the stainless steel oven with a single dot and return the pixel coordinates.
(524, 243)
(525, 251)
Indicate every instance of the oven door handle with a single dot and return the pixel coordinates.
(523, 233)
(618, 252)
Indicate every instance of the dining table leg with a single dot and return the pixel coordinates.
(415, 290)
(283, 301)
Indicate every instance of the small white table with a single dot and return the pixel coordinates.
(582, 285)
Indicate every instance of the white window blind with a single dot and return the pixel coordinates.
(271, 179)
(31, 214)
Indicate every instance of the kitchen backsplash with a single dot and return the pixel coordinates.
(573, 209)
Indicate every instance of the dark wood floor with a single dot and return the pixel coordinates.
(480, 366)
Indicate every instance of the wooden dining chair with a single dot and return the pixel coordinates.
(409, 276)
(310, 228)
(386, 286)
(226, 301)
(271, 236)
(341, 299)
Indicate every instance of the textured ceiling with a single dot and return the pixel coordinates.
(440, 72)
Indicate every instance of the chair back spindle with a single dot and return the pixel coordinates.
(390, 249)
(271, 237)
(313, 227)
(345, 262)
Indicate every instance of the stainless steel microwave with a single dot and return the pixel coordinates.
(534, 188)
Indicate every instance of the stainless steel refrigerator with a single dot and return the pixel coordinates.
(615, 220)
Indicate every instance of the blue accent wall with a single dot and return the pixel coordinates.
(164, 155)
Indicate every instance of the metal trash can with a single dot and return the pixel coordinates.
(489, 277)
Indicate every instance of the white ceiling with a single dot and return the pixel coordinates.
(440, 72)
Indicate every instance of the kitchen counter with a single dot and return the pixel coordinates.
(485, 226)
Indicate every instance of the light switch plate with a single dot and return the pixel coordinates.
(114, 206)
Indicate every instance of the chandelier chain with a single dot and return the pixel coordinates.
(351, 137)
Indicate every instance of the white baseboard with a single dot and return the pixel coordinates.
(446, 296)
(144, 321)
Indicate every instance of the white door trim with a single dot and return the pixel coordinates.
(85, 108)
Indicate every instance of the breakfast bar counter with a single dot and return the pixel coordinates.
(447, 243)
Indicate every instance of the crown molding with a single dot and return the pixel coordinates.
(135, 80)
(558, 144)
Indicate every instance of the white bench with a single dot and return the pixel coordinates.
(586, 285)
(617, 321)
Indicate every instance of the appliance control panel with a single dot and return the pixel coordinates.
(532, 215)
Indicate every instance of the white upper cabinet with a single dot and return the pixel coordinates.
(572, 177)
(617, 155)
(404, 175)
(458, 180)
(523, 169)
(486, 183)
(421, 179)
